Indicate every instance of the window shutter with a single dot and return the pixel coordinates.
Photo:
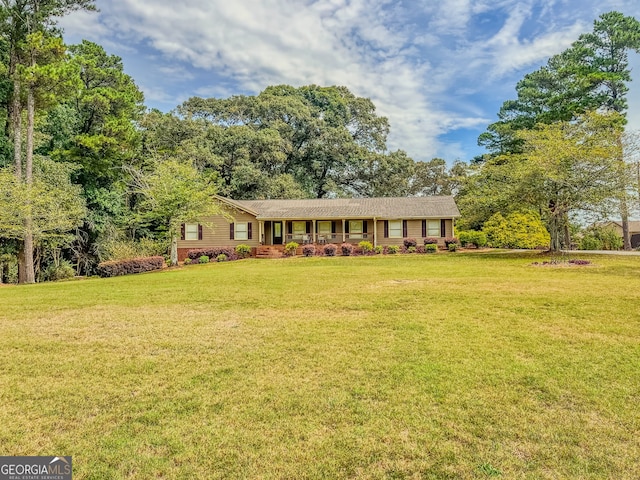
(249, 230)
(404, 228)
(182, 232)
(443, 228)
(333, 226)
(232, 230)
(386, 229)
(424, 228)
(308, 227)
(290, 228)
(199, 232)
(346, 226)
(364, 226)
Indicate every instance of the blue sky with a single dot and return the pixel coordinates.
(439, 70)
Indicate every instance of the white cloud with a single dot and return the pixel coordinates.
(419, 64)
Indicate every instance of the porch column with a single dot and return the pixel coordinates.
(375, 232)
(313, 232)
(261, 232)
(344, 238)
(284, 232)
(453, 228)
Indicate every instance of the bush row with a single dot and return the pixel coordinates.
(115, 268)
(214, 252)
(366, 248)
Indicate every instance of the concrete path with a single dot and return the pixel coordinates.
(603, 252)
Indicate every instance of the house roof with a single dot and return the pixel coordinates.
(634, 225)
(331, 208)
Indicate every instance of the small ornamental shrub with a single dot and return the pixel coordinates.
(393, 249)
(601, 238)
(221, 258)
(366, 247)
(430, 241)
(420, 249)
(411, 249)
(410, 242)
(330, 250)
(346, 249)
(450, 240)
(187, 261)
(452, 247)
(472, 238)
(431, 248)
(242, 251)
(115, 268)
(290, 249)
(309, 250)
(379, 249)
(578, 261)
(203, 259)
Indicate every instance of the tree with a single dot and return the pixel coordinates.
(173, 193)
(28, 28)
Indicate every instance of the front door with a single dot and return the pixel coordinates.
(277, 233)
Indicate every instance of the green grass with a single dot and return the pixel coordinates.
(400, 367)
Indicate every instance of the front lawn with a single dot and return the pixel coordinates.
(415, 366)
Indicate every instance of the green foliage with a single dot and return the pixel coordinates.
(472, 237)
(412, 249)
(203, 259)
(430, 248)
(379, 249)
(187, 261)
(393, 249)
(63, 271)
(516, 230)
(452, 247)
(365, 246)
(221, 258)
(601, 238)
(290, 249)
(243, 250)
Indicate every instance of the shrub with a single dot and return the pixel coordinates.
(578, 261)
(393, 249)
(346, 249)
(242, 251)
(187, 261)
(410, 242)
(366, 247)
(221, 258)
(452, 247)
(472, 237)
(379, 249)
(330, 250)
(134, 265)
(64, 270)
(420, 249)
(431, 241)
(411, 249)
(212, 252)
(290, 249)
(309, 250)
(430, 248)
(450, 241)
(601, 238)
(516, 230)
(204, 259)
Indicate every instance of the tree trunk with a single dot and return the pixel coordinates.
(29, 271)
(16, 126)
(174, 250)
(555, 230)
(624, 214)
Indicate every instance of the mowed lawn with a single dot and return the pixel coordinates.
(420, 366)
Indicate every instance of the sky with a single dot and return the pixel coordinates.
(438, 70)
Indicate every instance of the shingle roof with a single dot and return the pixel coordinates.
(328, 208)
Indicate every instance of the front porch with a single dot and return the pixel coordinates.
(318, 232)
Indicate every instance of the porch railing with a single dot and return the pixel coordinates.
(327, 237)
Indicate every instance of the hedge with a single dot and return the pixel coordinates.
(115, 268)
(213, 252)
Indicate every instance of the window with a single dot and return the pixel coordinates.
(395, 228)
(299, 229)
(433, 228)
(191, 231)
(355, 228)
(324, 228)
(241, 231)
